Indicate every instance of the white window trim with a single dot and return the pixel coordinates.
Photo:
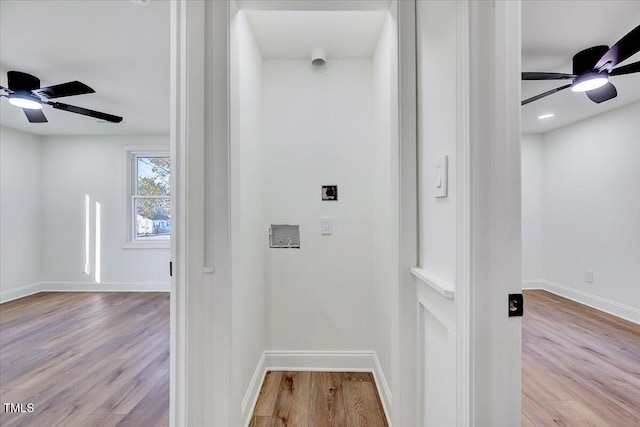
(130, 153)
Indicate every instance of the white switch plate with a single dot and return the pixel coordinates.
(326, 226)
(441, 176)
(588, 276)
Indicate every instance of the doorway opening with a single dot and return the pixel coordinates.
(581, 332)
(85, 214)
(314, 203)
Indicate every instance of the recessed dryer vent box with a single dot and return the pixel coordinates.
(284, 236)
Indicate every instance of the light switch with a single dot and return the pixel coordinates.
(326, 226)
(441, 177)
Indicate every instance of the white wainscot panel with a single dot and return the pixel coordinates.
(438, 371)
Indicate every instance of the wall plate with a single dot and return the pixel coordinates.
(441, 176)
(326, 226)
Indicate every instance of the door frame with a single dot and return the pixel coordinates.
(488, 260)
(488, 263)
(200, 246)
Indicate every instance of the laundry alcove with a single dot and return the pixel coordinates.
(294, 129)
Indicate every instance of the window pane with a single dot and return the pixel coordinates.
(154, 176)
(153, 218)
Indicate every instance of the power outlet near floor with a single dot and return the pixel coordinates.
(588, 276)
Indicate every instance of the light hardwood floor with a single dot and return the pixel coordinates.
(580, 366)
(86, 359)
(318, 399)
(101, 359)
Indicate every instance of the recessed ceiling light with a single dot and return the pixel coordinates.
(545, 116)
(141, 2)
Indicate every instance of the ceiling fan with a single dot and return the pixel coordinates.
(592, 68)
(24, 91)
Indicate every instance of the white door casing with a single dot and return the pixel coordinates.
(487, 269)
(494, 172)
(200, 298)
(200, 288)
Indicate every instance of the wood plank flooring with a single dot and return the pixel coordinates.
(101, 359)
(318, 399)
(86, 359)
(580, 366)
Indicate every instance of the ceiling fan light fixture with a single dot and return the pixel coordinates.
(27, 101)
(589, 81)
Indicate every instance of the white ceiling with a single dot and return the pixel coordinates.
(309, 5)
(552, 32)
(292, 34)
(122, 50)
(118, 48)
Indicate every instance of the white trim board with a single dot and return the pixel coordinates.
(319, 361)
(253, 392)
(614, 308)
(532, 284)
(50, 286)
(440, 285)
(21, 292)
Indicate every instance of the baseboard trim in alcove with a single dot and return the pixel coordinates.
(320, 361)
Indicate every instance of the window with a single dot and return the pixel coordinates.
(150, 198)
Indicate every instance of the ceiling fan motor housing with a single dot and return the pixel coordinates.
(585, 60)
(22, 82)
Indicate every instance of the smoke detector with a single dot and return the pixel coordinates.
(318, 57)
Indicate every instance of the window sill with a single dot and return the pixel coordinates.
(157, 244)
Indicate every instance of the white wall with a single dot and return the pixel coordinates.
(532, 202)
(248, 232)
(318, 129)
(437, 134)
(385, 200)
(437, 217)
(44, 183)
(20, 212)
(591, 207)
(75, 166)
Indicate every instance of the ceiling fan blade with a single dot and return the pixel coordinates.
(547, 93)
(627, 69)
(35, 116)
(64, 89)
(86, 112)
(19, 81)
(626, 47)
(603, 93)
(547, 76)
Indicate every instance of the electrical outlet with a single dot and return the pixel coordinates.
(588, 276)
(326, 226)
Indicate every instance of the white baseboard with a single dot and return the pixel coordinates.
(334, 361)
(21, 292)
(49, 286)
(532, 284)
(614, 308)
(253, 392)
